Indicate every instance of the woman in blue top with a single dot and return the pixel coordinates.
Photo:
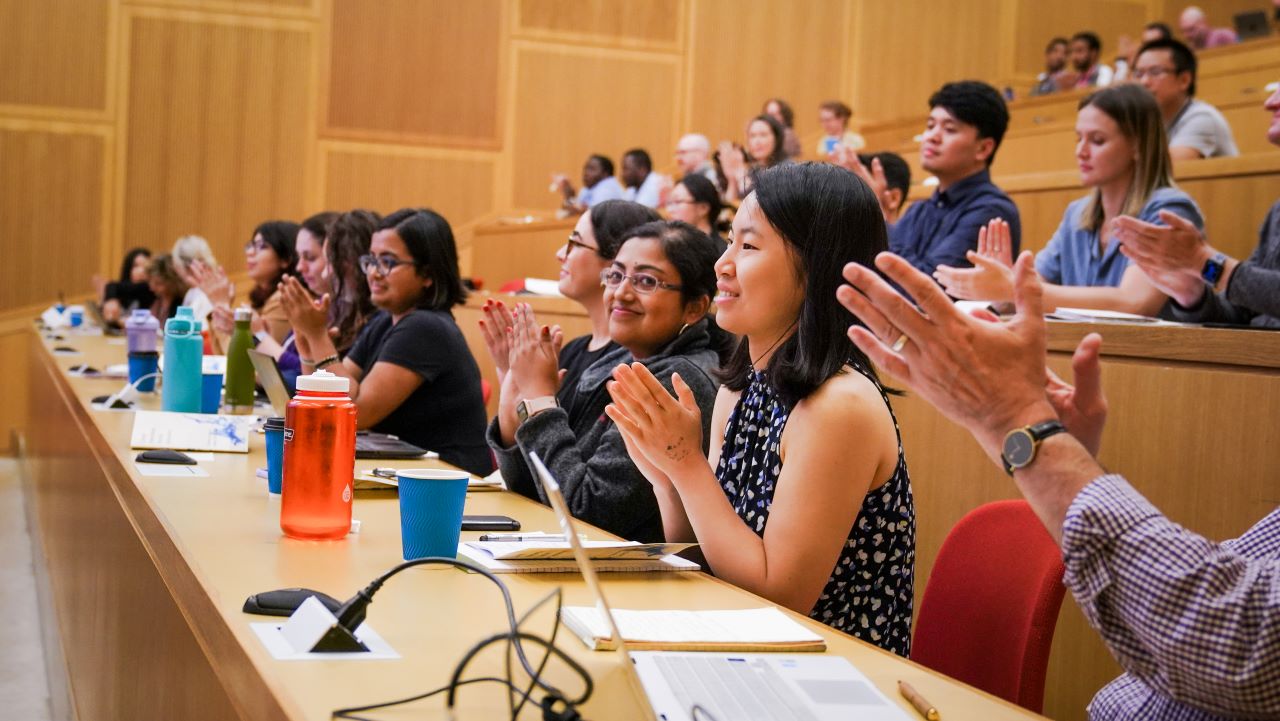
(1123, 155)
(804, 498)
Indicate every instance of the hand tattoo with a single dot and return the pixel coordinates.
(678, 451)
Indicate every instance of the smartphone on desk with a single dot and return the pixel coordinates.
(490, 523)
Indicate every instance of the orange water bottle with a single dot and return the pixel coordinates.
(319, 459)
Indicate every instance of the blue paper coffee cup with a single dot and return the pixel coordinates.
(75, 315)
(211, 393)
(274, 429)
(143, 363)
(431, 503)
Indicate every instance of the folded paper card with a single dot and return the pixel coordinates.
(749, 629)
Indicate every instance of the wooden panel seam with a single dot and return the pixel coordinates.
(287, 12)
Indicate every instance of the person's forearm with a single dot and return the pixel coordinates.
(675, 520)
(1101, 298)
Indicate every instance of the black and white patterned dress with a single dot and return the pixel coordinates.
(869, 592)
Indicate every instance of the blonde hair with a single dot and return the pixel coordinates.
(191, 248)
(1135, 112)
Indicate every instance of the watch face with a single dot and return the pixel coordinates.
(1019, 448)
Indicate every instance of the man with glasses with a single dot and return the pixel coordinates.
(1196, 129)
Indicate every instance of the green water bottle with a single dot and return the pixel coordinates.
(239, 381)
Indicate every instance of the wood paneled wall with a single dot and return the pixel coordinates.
(131, 122)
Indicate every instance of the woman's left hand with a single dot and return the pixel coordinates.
(667, 430)
(535, 354)
(988, 279)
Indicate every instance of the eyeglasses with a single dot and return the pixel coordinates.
(574, 242)
(641, 282)
(255, 245)
(679, 201)
(381, 264)
(1154, 73)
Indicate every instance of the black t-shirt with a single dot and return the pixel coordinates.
(445, 414)
(576, 357)
(129, 295)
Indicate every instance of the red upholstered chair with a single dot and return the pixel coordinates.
(991, 606)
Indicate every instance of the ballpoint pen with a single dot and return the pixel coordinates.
(522, 537)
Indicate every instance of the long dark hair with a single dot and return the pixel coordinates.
(281, 236)
(429, 239)
(694, 255)
(779, 153)
(703, 190)
(827, 217)
(126, 268)
(349, 305)
(612, 219)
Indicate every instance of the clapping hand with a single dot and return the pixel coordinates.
(874, 176)
(1082, 407)
(308, 316)
(991, 277)
(662, 433)
(534, 358)
(496, 326)
(214, 282)
(1171, 255)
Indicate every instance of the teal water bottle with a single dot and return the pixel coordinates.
(183, 359)
(239, 383)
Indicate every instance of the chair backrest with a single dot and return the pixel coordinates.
(989, 612)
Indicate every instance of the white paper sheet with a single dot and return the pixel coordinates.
(170, 470)
(191, 431)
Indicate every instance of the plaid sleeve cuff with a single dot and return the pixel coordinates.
(1102, 513)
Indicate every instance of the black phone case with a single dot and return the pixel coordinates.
(489, 523)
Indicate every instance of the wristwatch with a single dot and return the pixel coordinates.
(1211, 273)
(1021, 444)
(530, 407)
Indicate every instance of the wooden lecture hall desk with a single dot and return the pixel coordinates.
(146, 577)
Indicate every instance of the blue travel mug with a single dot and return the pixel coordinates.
(144, 363)
(431, 503)
(274, 428)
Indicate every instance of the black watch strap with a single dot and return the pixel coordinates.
(1030, 436)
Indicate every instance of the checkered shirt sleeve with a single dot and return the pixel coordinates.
(1195, 623)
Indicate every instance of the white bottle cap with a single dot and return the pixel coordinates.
(244, 314)
(324, 382)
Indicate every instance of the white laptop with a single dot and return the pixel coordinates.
(687, 686)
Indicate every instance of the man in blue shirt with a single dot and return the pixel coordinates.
(598, 185)
(966, 122)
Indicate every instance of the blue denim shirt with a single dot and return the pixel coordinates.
(1075, 257)
(939, 231)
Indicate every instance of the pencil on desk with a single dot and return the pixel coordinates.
(919, 702)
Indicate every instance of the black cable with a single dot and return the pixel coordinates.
(353, 612)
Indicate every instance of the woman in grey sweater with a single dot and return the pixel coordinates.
(657, 291)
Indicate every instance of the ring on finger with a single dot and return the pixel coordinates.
(900, 343)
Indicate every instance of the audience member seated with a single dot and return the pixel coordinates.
(657, 290)
(780, 110)
(967, 121)
(1127, 52)
(1194, 25)
(641, 184)
(1196, 129)
(1087, 69)
(411, 373)
(313, 269)
(891, 178)
(1124, 158)
(1156, 31)
(696, 201)
(131, 290)
(764, 150)
(1205, 285)
(693, 155)
(1055, 59)
(598, 185)
(166, 285)
(586, 254)
(1194, 623)
(270, 256)
(833, 116)
(784, 505)
(193, 260)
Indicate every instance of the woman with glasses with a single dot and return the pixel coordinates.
(696, 201)
(1123, 155)
(657, 289)
(588, 251)
(804, 498)
(411, 372)
(269, 256)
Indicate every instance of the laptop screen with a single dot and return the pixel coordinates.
(271, 379)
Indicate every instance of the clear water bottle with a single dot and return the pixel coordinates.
(319, 459)
(140, 329)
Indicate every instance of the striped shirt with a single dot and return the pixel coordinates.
(1195, 624)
